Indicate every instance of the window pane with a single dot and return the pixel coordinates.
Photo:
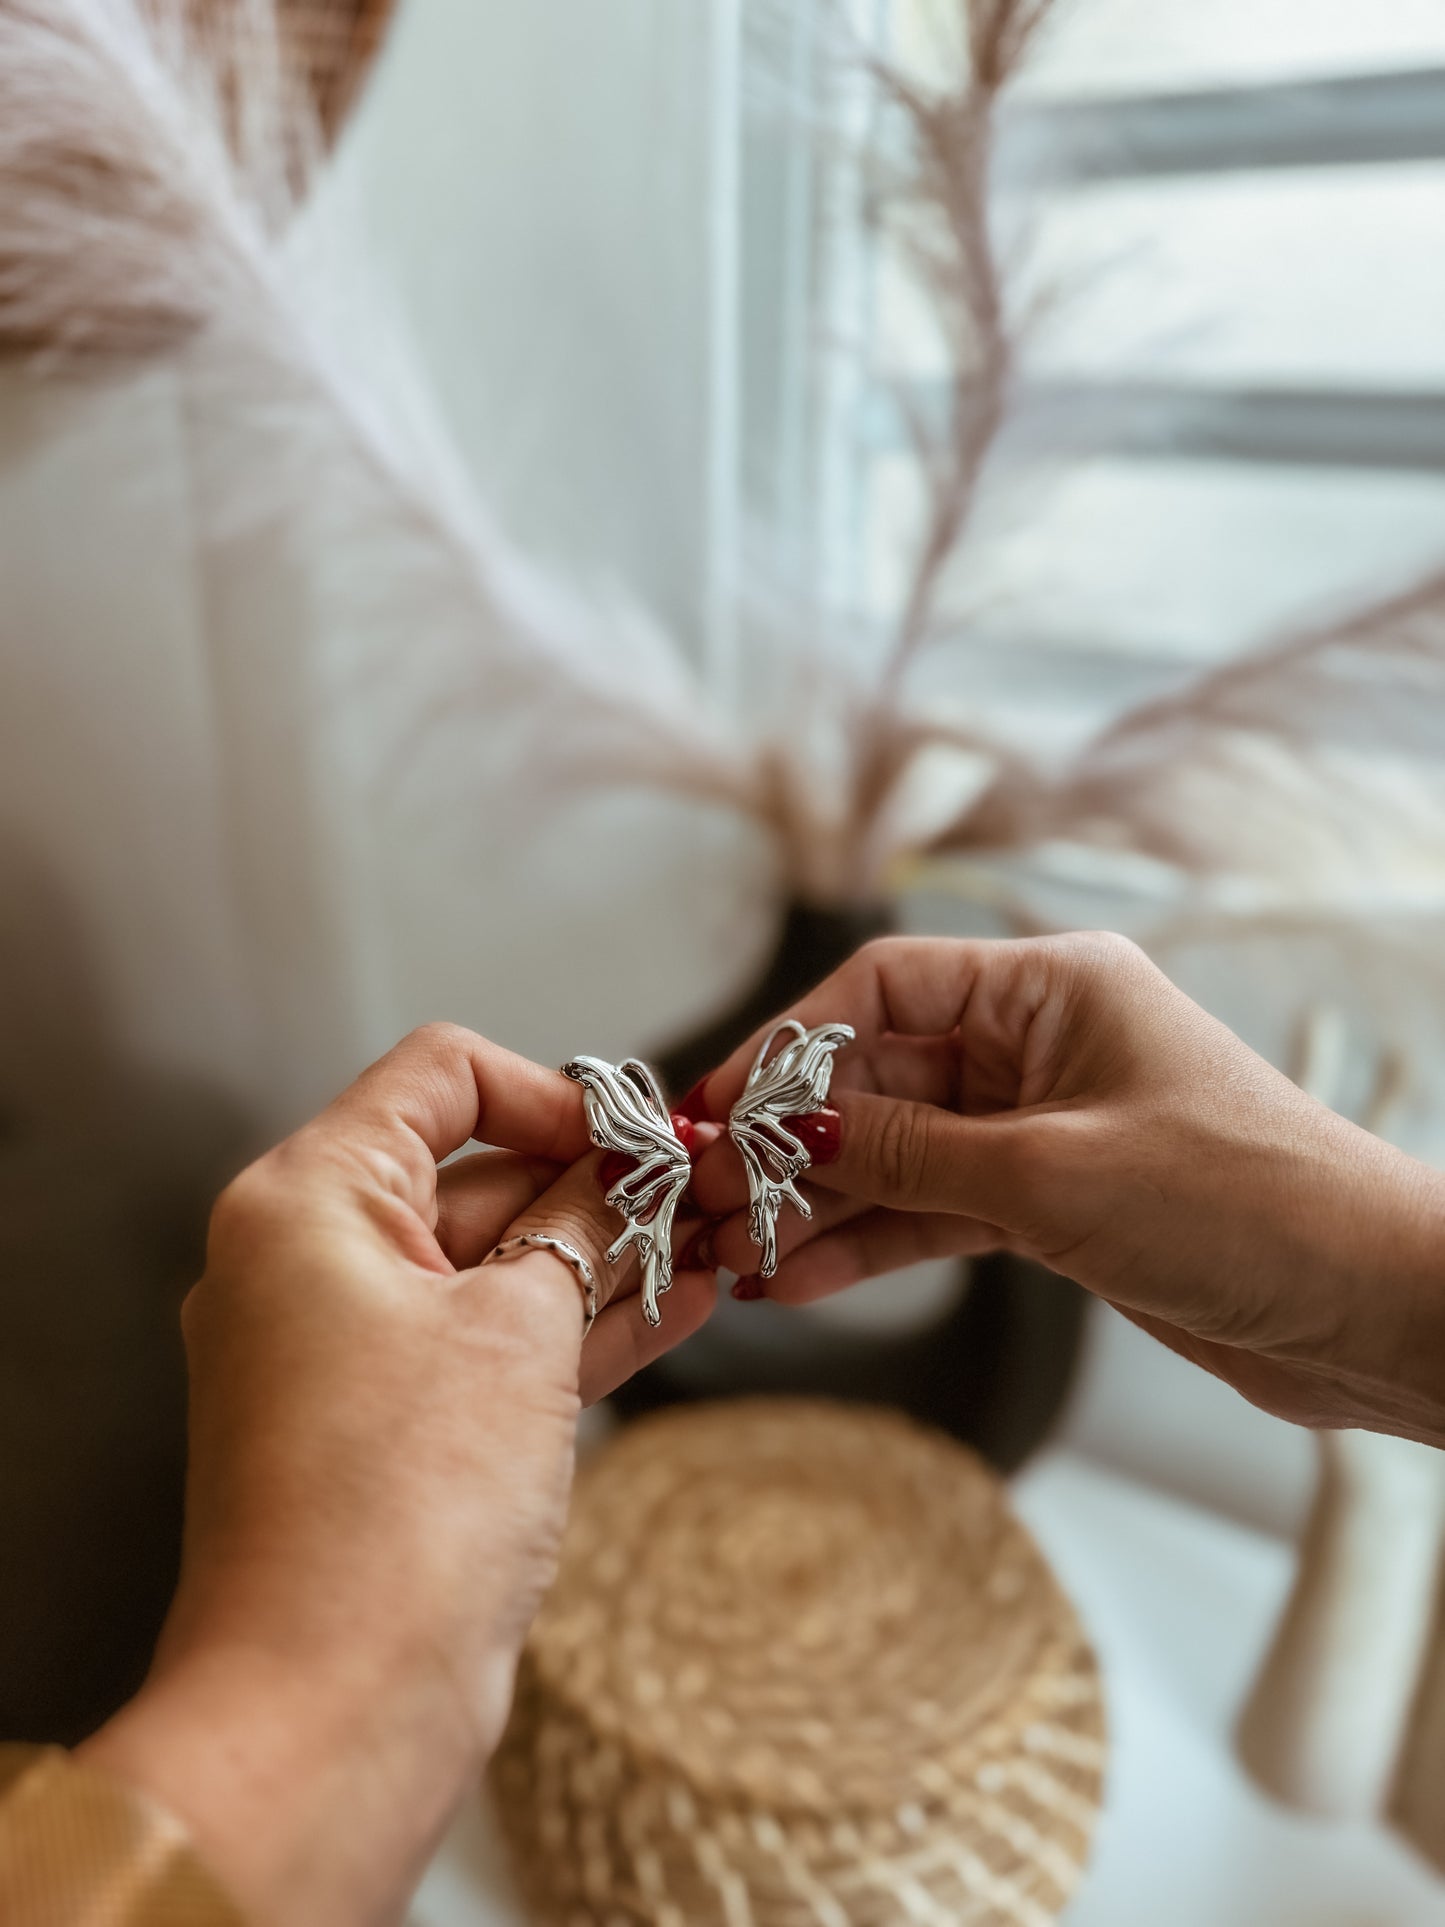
(1135, 46)
(1164, 558)
(1306, 279)
(1323, 282)
(1310, 278)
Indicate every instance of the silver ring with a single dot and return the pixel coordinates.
(559, 1247)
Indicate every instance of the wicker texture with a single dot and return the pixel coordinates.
(801, 1668)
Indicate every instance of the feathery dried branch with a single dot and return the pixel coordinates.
(1318, 761)
(934, 201)
(105, 252)
(269, 84)
(1271, 765)
(148, 181)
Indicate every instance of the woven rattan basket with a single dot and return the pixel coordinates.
(801, 1668)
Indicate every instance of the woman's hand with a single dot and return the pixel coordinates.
(381, 1451)
(1062, 1099)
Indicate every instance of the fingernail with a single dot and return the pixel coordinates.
(747, 1289)
(613, 1168)
(692, 1106)
(820, 1133)
(700, 1251)
(682, 1126)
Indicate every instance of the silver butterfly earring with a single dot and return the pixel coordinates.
(626, 1113)
(794, 1083)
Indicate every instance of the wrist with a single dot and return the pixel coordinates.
(315, 1794)
(1358, 1277)
(1399, 1300)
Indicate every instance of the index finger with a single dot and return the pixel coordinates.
(894, 986)
(444, 1085)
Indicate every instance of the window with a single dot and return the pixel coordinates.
(1229, 419)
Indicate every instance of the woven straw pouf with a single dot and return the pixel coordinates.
(801, 1668)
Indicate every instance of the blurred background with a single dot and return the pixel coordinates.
(687, 488)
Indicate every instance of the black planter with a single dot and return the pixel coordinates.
(993, 1372)
(811, 945)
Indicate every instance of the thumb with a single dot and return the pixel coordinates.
(916, 1157)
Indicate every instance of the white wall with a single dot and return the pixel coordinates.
(109, 847)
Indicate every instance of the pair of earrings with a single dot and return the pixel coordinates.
(626, 1113)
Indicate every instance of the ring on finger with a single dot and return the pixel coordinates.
(559, 1247)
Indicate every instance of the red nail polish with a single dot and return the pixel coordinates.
(692, 1106)
(613, 1168)
(683, 1128)
(700, 1251)
(747, 1289)
(820, 1133)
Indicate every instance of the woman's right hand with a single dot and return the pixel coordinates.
(381, 1446)
(1060, 1098)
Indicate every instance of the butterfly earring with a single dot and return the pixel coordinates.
(626, 1113)
(780, 1088)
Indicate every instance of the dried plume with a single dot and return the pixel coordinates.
(152, 156)
(1313, 766)
(834, 785)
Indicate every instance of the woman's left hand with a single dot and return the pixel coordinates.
(382, 1432)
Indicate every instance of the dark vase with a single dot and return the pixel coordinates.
(992, 1370)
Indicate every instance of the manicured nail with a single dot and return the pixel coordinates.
(683, 1130)
(747, 1289)
(692, 1106)
(613, 1168)
(700, 1251)
(820, 1134)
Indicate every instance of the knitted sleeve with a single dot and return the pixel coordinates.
(80, 1850)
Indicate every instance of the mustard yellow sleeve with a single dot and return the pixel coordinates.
(80, 1850)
